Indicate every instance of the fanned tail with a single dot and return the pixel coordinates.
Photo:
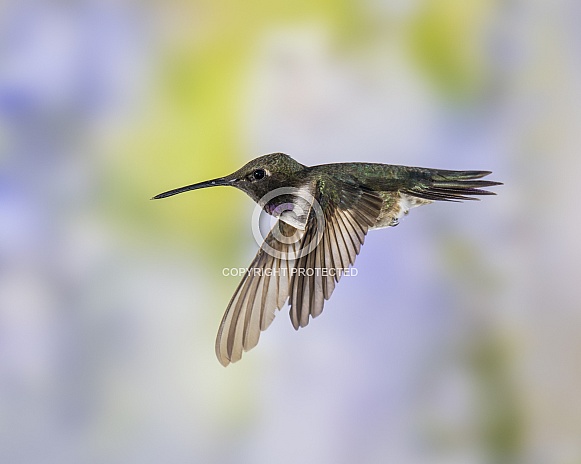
(442, 185)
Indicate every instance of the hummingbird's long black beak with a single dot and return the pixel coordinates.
(199, 185)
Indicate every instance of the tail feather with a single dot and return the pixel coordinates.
(457, 175)
(442, 185)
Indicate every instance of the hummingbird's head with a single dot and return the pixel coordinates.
(256, 178)
(266, 173)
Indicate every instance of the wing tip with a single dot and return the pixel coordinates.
(224, 360)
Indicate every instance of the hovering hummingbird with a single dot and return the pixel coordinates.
(324, 213)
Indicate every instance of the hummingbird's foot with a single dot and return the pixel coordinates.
(394, 222)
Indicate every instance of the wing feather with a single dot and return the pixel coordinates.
(263, 290)
(346, 223)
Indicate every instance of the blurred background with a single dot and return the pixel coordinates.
(459, 340)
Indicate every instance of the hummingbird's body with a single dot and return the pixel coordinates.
(324, 214)
(386, 180)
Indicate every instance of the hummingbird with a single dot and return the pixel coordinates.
(323, 214)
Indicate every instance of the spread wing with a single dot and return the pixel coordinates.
(305, 269)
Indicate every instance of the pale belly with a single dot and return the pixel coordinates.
(395, 206)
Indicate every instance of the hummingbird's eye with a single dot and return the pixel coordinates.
(259, 174)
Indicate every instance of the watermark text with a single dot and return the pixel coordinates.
(283, 272)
